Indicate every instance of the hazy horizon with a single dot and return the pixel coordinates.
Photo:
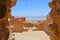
(33, 18)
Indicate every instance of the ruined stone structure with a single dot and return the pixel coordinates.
(5, 9)
(55, 15)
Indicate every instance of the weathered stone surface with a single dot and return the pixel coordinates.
(55, 14)
(53, 29)
(5, 9)
(13, 3)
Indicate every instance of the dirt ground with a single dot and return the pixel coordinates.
(32, 35)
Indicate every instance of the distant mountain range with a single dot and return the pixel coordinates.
(35, 18)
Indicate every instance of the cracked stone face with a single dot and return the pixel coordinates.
(3, 1)
(2, 10)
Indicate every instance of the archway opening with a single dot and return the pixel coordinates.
(32, 10)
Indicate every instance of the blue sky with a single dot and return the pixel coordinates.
(25, 8)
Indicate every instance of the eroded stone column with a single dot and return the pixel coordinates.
(55, 15)
(5, 9)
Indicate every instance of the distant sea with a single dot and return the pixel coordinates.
(34, 18)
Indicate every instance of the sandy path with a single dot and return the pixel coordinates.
(32, 35)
